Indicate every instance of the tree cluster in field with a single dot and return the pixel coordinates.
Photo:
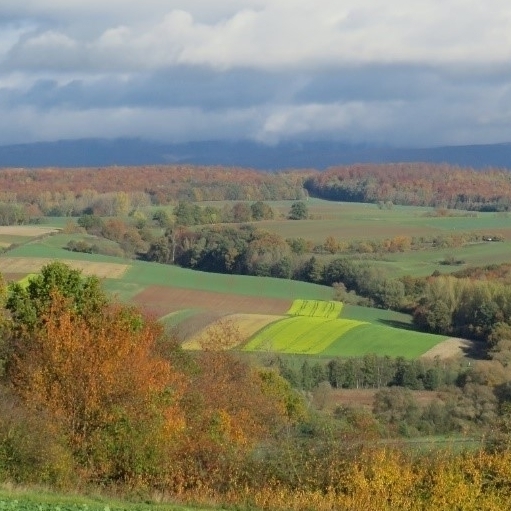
(415, 184)
(372, 372)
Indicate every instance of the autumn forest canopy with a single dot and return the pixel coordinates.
(421, 184)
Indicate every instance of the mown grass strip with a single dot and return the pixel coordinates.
(382, 340)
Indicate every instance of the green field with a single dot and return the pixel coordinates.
(382, 340)
(143, 274)
(340, 338)
(347, 222)
(313, 332)
(358, 221)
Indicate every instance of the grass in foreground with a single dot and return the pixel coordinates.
(37, 500)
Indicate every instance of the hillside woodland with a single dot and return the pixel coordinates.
(56, 191)
(418, 184)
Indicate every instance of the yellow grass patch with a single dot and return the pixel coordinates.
(26, 230)
(249, 324)
(453, 347)
(34, 264)
(230, 331)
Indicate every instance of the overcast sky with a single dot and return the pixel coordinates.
(395, 72)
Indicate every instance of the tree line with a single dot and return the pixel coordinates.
(417, 184)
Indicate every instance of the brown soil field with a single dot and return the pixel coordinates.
(12, 277)
(160, 301)
(24, 265)
(26, 230)
(190, 328)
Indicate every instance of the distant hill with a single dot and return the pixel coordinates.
(319, 155)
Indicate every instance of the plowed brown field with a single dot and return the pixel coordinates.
(161, 300)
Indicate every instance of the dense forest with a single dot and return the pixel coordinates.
(417, 184)
(29, 194)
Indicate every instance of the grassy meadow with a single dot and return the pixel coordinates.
(31, 500)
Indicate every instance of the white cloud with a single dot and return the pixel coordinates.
(109, 53)
(264, 34)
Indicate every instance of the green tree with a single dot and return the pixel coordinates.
(162, 218)
(28, 304)
(261, 211)
(298, 211)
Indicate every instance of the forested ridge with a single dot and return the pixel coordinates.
(163, 184)
(70, 191)
(417, 184)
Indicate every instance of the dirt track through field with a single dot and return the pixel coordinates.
(161, 300)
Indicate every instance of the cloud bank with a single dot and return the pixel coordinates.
(402, 73)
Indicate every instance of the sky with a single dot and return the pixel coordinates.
(401, 73)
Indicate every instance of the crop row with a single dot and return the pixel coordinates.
(315, 309)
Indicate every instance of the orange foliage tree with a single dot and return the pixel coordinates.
(108, 392)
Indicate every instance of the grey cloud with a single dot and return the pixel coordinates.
(397, 73)
(177, 87)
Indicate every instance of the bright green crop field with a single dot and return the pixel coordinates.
(316, 309)
(300, 334)
(369, 331)
(340, 338)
